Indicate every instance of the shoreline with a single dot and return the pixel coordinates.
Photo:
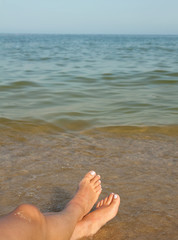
(37, 126)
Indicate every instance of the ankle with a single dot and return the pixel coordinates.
(76, 208)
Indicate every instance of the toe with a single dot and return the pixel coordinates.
(105, 200)
(110, 198)
(90, 175)
(116, 199)
(98, 204)
(101, 203)
(97, 183)
(95, 179)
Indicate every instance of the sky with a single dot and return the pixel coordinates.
(89, 16)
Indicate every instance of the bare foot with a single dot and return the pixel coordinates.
(88, 193)
(105, 210)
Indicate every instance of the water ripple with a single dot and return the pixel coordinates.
(88, 81)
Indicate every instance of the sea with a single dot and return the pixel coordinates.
(74, 103)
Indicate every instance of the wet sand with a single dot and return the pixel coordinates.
(42, 165)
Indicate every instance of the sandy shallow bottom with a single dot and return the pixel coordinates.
(42, 166)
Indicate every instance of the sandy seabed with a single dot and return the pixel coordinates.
(43, 166)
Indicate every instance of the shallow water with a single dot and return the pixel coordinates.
(70, 104)
(41, 164)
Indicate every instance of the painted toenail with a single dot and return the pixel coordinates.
(92, 173)
(115, 196)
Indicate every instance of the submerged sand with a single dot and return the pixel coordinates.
(42, 165)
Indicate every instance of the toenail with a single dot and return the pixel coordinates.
(99, 181)
(92, 173)
(115, 196)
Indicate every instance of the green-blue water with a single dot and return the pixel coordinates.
(109, 103)
(84, 81)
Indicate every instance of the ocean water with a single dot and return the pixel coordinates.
(80, 82)
(72, 103)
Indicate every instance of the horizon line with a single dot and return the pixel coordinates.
(28, 33)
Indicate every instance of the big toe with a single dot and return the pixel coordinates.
(112, 200)
(115, 200)
(90, 175)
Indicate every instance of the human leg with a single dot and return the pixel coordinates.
(27, 222)
(77, 208)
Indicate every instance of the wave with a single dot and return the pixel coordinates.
(18, 84)
(35, 126)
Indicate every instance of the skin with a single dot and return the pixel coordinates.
(106, 210)
(27, 222)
